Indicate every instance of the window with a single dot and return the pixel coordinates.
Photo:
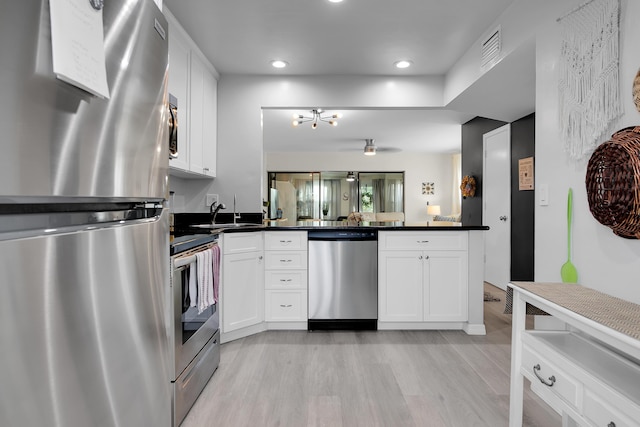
(328, 196)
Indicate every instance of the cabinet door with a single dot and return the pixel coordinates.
(242, 290)
(209, 124)
(445, 294)
(178, 86)
(203, 119)
(400, 286)
(196, 96)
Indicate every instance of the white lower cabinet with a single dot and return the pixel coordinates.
(422, 285)
(285, 306)
(286, 279)
(242, 293)
(400, 286)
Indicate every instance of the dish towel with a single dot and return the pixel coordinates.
(193, 287)
(216, 272)
(209, 281)
(205, 280)
(202, 299)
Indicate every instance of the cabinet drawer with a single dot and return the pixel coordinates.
(241, 242)
(285, 240)
(287, 279)
(563, 386)
(286, 260)
(428, 240)
(602, 413)
(283, 306)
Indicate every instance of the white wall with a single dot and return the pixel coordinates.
(518, 23)
(240, 102)
(418, 168)
(604, 261)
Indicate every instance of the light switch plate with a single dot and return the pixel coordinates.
(543, 194)
(210, 199)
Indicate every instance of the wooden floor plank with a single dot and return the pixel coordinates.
(368, 378)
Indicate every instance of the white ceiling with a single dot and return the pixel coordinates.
(411, 130)
(355, 37)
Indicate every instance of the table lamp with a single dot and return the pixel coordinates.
(433, 210)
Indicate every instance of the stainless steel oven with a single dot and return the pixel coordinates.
(195, 335)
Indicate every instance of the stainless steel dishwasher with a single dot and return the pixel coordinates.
(343, 279)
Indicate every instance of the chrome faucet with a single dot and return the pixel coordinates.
(213, 210)
(235, 215)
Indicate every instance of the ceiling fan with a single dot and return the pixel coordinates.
(370, 148)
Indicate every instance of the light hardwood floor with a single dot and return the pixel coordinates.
(383, 378)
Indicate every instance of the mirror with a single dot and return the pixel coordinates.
(331, 196)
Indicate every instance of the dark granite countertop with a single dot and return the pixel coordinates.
(380, 226)
(198, 223)
(341, 225)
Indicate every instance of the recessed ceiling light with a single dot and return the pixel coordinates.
(335, 1)
(278, 63)
(405, 63)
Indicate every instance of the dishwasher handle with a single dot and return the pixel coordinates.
(338, 235)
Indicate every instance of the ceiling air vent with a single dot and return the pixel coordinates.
(491, 49)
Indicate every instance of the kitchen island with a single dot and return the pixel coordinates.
(430, 276)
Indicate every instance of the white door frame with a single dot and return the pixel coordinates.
(496, 205)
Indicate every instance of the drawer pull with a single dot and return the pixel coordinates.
(423, 241)
(286, 280)
(286, 260)
(285, 305)
(286, 242)
(552, 378)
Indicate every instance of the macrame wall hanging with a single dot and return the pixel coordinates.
(588, 83)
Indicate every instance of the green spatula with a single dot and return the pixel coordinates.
(568, 271)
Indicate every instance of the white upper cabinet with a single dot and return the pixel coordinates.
(193, 81)
(179, 87)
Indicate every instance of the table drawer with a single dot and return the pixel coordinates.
(287, 279)
(602, 413)
(285, 240)
(539, 369)
(285, 306)
(428, 240)
(286, 260)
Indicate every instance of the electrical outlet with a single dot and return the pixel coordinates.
(210, 199)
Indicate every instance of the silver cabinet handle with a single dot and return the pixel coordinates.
(205, 169)
(285, 241)
(286, 260)
(420, 257)
(552, 378)
(423, 241)
(285, 280)
(503, 218)
(285, 306)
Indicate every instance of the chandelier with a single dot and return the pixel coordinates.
(316, 116)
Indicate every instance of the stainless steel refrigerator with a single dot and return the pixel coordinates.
(84, 258)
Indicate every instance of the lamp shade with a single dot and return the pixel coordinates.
(433, 209)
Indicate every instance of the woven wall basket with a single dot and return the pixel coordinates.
(613, 183)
